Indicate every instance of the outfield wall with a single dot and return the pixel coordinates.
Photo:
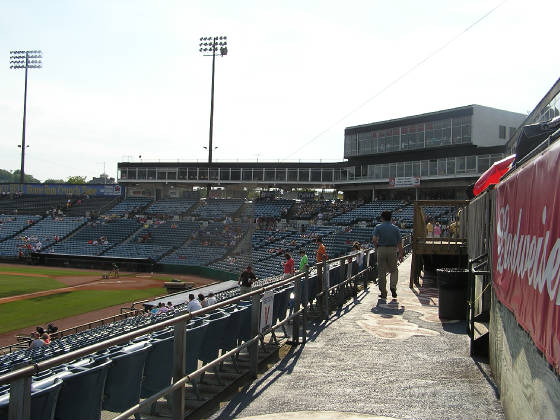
(528, 387)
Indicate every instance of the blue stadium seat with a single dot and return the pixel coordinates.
(159, 367)
(44, 394)
(82, 392)
(124, 380)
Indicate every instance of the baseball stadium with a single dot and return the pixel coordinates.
(123, 299)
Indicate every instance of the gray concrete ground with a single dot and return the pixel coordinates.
(376, 359)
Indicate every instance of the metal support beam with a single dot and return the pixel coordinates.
(179, 367)
(254, 347)
(20, 399)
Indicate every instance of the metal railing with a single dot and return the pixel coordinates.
(477, 303)
(20, 378)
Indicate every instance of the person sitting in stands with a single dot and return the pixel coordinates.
(162, 308)
(202, 300)
(170, 306)
(36, 340)
(46, 338)
(211, 299)
(193, 304)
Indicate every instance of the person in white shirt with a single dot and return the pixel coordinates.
(194, 304)
(211, 299)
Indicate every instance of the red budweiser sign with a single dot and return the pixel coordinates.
(527, 249)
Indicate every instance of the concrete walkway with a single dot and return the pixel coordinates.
(376, 359)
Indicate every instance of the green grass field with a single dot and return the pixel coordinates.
(51, 272)
(41, 310)
(19, 285)
(13, 285)
(44, 309)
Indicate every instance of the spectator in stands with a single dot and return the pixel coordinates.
(452, 229)
(387, 239)
(246, 280)
(359, 252)
(211, 299)
(289, 266)
(430, 229)
(46, 339)
(36, 340)
(193, 304)
(170, 306)
(162, 308)
(202, 300)
(303, 260)
(437, 230)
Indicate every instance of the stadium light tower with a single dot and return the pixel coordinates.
(25, 60)
(211, 46)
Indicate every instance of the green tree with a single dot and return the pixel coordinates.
(27, 178)
(53, 181)
(5, 176)
(76, 179)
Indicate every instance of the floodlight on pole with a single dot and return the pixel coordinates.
(211, 46)
(25, 60)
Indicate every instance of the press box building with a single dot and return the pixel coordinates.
(432, 155)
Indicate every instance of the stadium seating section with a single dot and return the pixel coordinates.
(214, 232)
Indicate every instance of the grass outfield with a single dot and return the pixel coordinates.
(19, 285)
(13, 285)
(51, 272)
(44, 309)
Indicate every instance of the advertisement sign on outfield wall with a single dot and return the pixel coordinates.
(526, 272)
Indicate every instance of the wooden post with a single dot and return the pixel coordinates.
(20, 398)
(179, 367)
(254, 347)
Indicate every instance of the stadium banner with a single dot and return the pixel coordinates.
(405, 182)
(93, 190)
(526, 250)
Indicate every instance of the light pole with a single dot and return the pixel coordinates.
(212, 46)
(25, 60)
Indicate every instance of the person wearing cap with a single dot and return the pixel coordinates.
(246, 280)
(387, 240)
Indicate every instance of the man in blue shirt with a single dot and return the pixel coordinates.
(387, 240)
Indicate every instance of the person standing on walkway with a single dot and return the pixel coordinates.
(430, 229)
(303, 260)
(321, 251)
(387, 240)
(246, 280)
(321, 256)
(289, 266)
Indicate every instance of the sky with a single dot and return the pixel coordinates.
(124, 78)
